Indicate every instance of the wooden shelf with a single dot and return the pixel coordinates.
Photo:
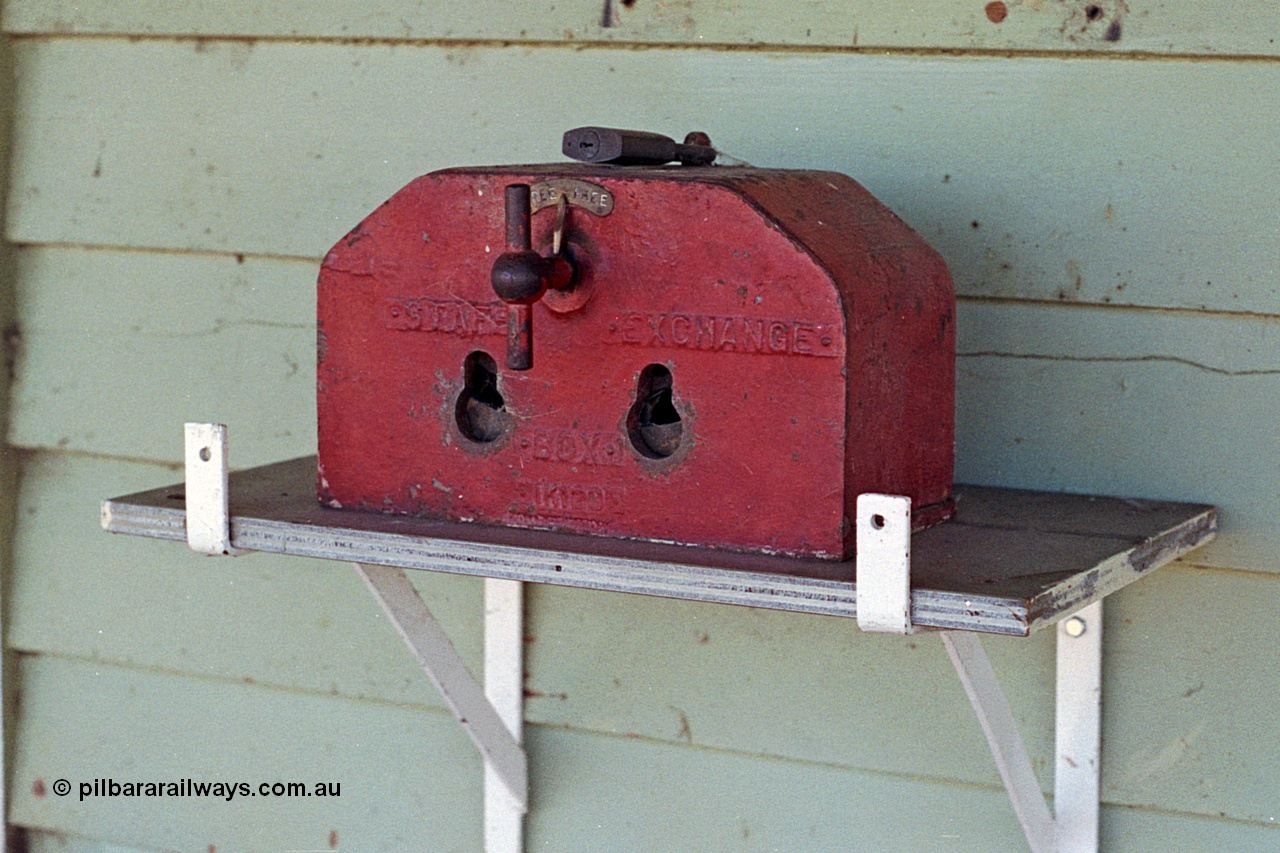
(1011, 561)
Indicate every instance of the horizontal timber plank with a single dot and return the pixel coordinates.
(408, 782)
(43, 841)
(1172, 406)
(1187, 714)
(1162, 27)
(118, 349)
(782, 807)
(1035, 178)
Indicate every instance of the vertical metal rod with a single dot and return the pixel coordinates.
(519, 337)
(988, 700)
(1078, 731)
(519, 212)
(444, 666)
(504, 686)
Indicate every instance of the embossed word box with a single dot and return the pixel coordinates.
(718, 356)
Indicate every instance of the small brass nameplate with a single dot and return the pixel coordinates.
(592, 198)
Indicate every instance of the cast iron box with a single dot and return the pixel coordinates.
(719, 356)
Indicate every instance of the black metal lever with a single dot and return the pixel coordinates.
(520, 277)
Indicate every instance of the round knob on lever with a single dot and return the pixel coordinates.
(521, 276)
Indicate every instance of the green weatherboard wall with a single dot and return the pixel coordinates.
(1101, 181)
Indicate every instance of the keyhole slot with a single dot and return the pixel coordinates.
(653, 423)
(481, 410)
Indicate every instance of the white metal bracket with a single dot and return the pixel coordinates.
(882, 563)
(1077, 720)
(491, 716)
(1078, 731)
(495, 731)
(208, 506)
(504, 686)
(883, 578)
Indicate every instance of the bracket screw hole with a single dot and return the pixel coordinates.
(877, 521)
(205, 454)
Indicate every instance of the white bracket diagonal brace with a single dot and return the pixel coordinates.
(988, 700)
(446, 669)
(1078, 707)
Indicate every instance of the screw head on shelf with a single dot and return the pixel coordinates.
(1074, 626)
